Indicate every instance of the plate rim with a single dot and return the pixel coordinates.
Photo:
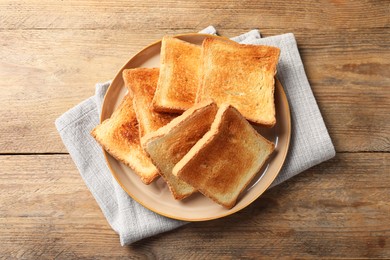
(230, 211)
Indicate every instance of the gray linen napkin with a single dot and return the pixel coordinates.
(310, 143)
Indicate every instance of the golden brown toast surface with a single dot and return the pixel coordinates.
(170, 143)
(119, 136)
(241, 75)
(179, 75)
(142, 83)
(224, 161)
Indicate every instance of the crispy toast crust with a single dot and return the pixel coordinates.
(119, 136)
(179, 75)
(170, 143)
(225, 160)
(241, 75)
(142, 83)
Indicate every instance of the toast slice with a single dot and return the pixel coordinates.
(170, 143)
(241, 75)
(179, 75)
(225, 160)
(119, 136)
(142, 83)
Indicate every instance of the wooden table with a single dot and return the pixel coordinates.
(53, 52)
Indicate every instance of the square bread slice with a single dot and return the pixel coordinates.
(119, 136)
(142, 83)
(179, 75)
(225, 160)
(170, 143)
(241, 75)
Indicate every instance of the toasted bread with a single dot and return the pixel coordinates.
(142, 83)
(241, 75)
(170, 143)
(179, 75)
(225, 160)
(119, 136)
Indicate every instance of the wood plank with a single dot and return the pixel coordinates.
(169, 14)
(46, 72)
(337, 209)
(53, 52)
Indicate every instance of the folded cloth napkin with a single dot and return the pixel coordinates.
(310, 143)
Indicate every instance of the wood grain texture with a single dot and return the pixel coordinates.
(339, 208)
(64, 65)
(156, 14)
(53, 52)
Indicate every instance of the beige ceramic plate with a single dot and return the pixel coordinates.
(156, 196)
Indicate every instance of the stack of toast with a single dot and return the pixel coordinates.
(190, 121)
